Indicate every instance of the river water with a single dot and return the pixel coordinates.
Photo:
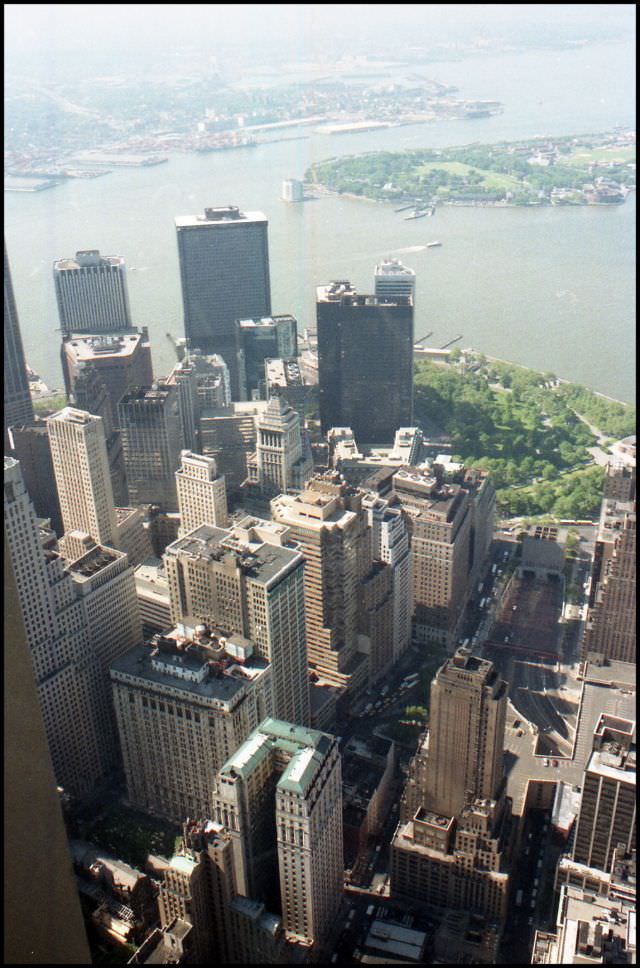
(552, 288)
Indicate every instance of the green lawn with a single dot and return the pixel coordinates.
(493, 180)
(585, 156)
(131, 836)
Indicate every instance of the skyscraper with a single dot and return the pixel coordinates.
(18, 408)
(248, 580)
(123, 361)
(282, 461)
(184, 702)
(611, 621)
(202, 496)
(42, 914)
(607, 815)
(365, 352)
(466, 735)
(258, 340)
(438, 518)
(450, 847)
(81, 467)
(74, 703)
(151, 429)
(328, 521)
(224, 270)
(91, 291)
(392, 279)
(279, 798)
(390, 543)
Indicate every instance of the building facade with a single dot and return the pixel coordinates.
(224, 271)
(83, 479)
(438, 518)
(259, 340)
(18, 408)
(184, 703)
(91, 292)
(282, 462)
(607, 818)
(392, 278)
(248, 580)
(365, 345)
(150, 422)
(328, 521)
(202, 495)
(123, 361)
(280, 799)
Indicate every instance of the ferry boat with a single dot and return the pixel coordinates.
(433, 245)
(417, 213)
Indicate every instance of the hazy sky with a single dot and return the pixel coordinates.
(107, 33)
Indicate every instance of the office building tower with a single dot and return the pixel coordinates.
(482, 493)
(230, 435)
(18, 408)
(620, 482)
(90, 394)
(282, 461)
(197, 886)
(151, 427)
(328, 522)
(43, 920)
(123, 361)
(183, 377)
(258, 340)
(91, 292)
(292, 190)
(202, 496)
(279, 797)
(611, 619)
(83, 479)
(390, 543)
(450, 847)
(74, 703)
(224, 271)
(438, 518)
(213, 387)
(375, 618)
(249, 581)
(152, 592)
(184, 702)
(607, 817)
(365, 350)
(31, 448)
(466, 735)
(392, 279)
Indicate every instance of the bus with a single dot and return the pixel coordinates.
(412, 679)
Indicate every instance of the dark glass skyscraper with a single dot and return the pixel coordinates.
(365, 362)
(18, 409)
(224, 270)
(259, 340)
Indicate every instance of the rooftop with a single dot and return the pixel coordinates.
(306, 748)
(218, 217)
(84, 349)
(205, 671)
(257, 558)
(344, 293)
(88, 257)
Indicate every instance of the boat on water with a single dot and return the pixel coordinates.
(417, 213)
(405, 208)
(433, 245)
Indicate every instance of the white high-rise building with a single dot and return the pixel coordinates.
(91, 291)
(73, 700)
(283, 462)
(83, 477)
(390, 543)
(393, 279)
(202, 496)
(279, 796)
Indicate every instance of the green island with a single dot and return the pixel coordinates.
(531, 431)
(573, 170)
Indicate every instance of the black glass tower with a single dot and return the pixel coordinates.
(365, 362)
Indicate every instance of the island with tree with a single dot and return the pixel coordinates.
(595, 169)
